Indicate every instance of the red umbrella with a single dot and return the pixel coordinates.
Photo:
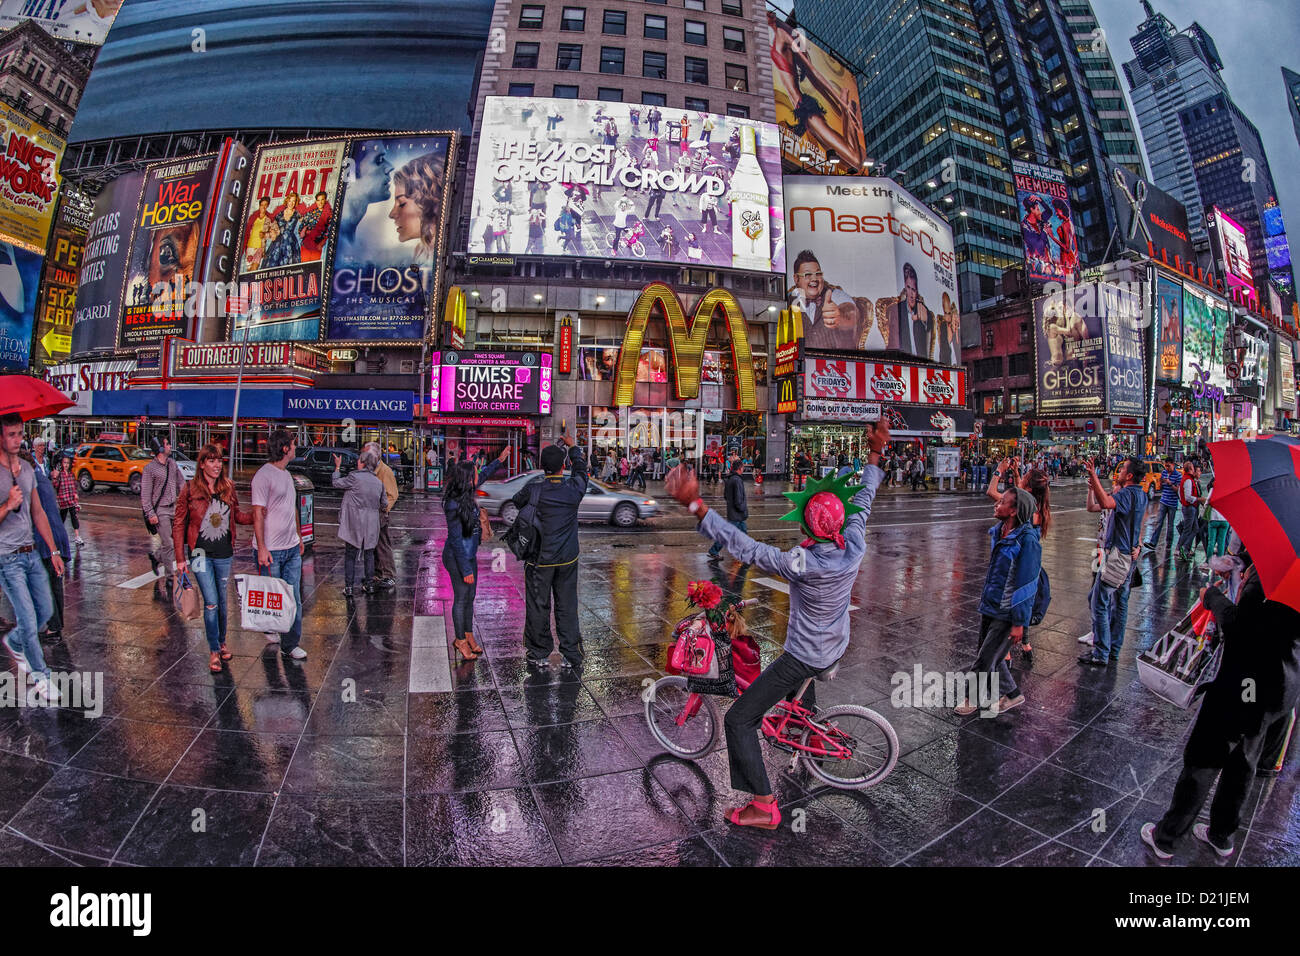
(1257, 489)
(30, 397)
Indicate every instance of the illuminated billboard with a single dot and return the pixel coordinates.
(103, 263)
(1046, 222)
(29, 180)
(1233, 253)
(1088, 351)
(560, 177)
(1205, 323)
(872, 268)
(517, 383)
(1169, 329)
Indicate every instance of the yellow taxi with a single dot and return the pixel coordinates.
(1151, 480)
(110, 463)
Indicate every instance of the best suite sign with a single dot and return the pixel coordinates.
(492, 382)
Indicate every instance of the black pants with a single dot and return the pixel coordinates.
(462, 605)
(744, 752)
(541, 583)
(1193, 787)
(638, 475)
(63, 516)
(56, 592)
(350, 562)
(991, 658)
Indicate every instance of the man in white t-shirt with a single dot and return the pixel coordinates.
(830, 315)
(275, 529)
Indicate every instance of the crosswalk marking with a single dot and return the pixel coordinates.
(784, 588)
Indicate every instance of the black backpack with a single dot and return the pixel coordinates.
(524, 537)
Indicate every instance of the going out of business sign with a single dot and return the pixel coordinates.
(492, 382)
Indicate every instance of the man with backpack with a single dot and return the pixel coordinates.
(551, 570)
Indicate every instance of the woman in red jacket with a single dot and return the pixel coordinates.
(207, 511)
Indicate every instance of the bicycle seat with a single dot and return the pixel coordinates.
(829, 673)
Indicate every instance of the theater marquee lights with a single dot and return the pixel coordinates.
(686, 343)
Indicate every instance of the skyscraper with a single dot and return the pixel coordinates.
(931, 119)
(1292, 81)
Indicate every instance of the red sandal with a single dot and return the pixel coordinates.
(225, 653)
(214, 662)
(774, 815)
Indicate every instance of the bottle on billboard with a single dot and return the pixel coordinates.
(751, 244)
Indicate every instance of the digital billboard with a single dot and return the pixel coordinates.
(57, 301)
(165, 250)
(1046, 222)
(560, 177)
(871, 268)
(1275, 241)
(501, 382)
(103, 263)
(817, 103)
(1205, 323)
(284, 242)
(847, 380)
(85, 21)
(1169, 329)
(20, 275)
(1088, 351)
(1233, 253)
(1285, 377)
(391, 222)
(29, 180)
(1150, 215)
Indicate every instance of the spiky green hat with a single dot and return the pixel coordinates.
(825, 509)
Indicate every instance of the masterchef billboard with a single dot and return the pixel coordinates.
(871, 268)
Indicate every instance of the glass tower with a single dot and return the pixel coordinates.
(1292, 81)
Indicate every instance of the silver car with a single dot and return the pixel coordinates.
(601, 502)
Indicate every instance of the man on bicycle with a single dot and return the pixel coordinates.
(821, 572)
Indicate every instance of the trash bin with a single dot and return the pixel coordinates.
(306, 508)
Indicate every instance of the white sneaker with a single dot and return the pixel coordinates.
(1149, 838)
(80, 542)
(47, 691)
(298, 654)
(19, 658)
(1086, 639)
(1202, 832)
(272, 637)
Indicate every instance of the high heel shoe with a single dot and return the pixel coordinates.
(473, 645)
(465, 651)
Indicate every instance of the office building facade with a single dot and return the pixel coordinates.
(1292, 81)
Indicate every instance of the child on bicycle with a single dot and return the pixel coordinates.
(821, 572)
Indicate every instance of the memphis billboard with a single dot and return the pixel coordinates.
(560, 177)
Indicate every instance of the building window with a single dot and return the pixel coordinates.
(988, 368)
(564, 92)
(521, 89)
(991, 404)
(732, 7)
(611, 59)
(737, 78)
(656, 1)
(988, 339)
(608, 94)
(1022, 364)
(693, 4)
(525, 56)
(697, 34)
(615, 22)
(530, 18)
(1024, 333)
(573, 18)
(697, 70)
(735, 110)
(1022, 402)
(654, 99)
(569, 56)
(656, 28)
(654, 65)
(733, 39)
(697, 104)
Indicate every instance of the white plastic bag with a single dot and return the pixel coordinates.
(265, 603)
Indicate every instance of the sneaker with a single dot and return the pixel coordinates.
(541, 664)
(19, 657)
(1089, 659)
(80, 542)
(386, 583)
(568, 665)
(298, 654)
(1086, 639)
(1006, 703)
(272, 637)
(1202, 832)
(347, 591)
(1149, 838)
(48, 691)
(965, 709)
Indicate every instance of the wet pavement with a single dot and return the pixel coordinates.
(336, 760)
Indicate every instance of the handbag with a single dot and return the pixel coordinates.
(185, 596)
(265, 603)
(694, 652)
(1115, 567)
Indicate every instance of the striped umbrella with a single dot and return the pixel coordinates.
(1257, 489)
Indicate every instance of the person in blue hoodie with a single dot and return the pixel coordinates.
(1008, 599)
(50, 505)
(460, 551)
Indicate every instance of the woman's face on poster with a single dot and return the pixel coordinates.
(406, 216)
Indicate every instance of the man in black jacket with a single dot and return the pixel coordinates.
(733, 490)
(555, 569)
(1257, 686)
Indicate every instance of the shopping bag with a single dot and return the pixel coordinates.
(265, 603)
(185, 597)
(1183, 660)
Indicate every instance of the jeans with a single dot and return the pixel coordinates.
(991, 657)
(22, 576)
(287, 566)
(1187, 530)
(717, 545)
(1218, 543)
(350, 556)
(212, 582)
(462, 605)
(638, 475)
(56, 592)
(744, 752)
(1166, 511)
(541, 583)
(1109, 619)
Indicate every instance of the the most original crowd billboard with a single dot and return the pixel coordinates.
(1089, 351)
(871, 268)
(560, 177)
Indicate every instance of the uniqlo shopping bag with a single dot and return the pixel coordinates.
(265, 603)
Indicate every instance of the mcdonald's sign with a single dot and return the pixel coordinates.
(453, 317)
(787, 401)
(789, 342)
(566, 344)
(686, 343)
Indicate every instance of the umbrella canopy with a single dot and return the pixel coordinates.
(30, 397)
(1257, 489)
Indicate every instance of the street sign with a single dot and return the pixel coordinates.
(1232, 370)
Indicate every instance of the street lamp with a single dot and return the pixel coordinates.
(600, 300)
(537, 297)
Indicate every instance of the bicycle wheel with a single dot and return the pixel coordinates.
(869, 738)
(638, 248)
(697, 735)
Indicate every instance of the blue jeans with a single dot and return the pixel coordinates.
(1187, 530)
(1109, 619)
(287, 566)
(23, 578)
(717, 545)
(212, 582)
(1166, 511)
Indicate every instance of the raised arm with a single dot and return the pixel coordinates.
(1105, 501)
(995, 478)
(855, 529)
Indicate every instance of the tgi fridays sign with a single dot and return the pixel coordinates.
(78, 380)
(223, 356)
(844, 380)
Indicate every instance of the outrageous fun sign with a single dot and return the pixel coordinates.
(492, 382)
